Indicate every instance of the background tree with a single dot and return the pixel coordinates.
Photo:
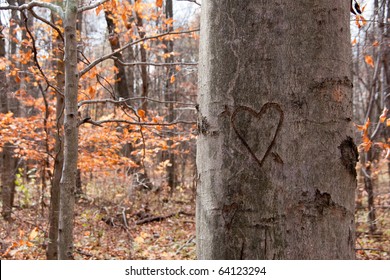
(276, 158)
(371, 100)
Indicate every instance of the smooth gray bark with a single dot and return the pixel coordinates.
(52, 248)
(275, 154)
(69, 172)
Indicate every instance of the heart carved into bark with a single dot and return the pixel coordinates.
(258, 154)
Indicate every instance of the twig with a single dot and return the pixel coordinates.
(81, 252)
(155, 64)
(124, 218)
(48, 23)
(98, 76)
(185, 244)
(159, 218)
(96, 101)
(36, 56)
(192, 1)
(53, 7)
(91, 6)
(99, 123)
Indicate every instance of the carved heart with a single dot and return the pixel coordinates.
(258, 116)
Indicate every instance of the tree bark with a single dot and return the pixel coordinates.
(275, 154)
(52, 248)
(69, 172)
(122, 90)
(8, 104)
(144, 68)
(170, 97)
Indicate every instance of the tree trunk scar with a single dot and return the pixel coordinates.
(324, 201)
(349, 155)
(202, 123)
(258, 115)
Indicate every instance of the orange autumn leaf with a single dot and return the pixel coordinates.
(357, 22)
(141, 113)
(366, 146)
(375, 44)
(159, 3)
(365, 126)
(92, 91)
(354, 42)
(114, 4)
(99, 9)
(172, 79)
(17, 78)
(3, 64)
(369, 60)
(367, 143)
(360, 21)
(124, 17)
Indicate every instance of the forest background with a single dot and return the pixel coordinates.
(136, 122)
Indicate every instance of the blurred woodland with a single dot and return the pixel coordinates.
(136, 123)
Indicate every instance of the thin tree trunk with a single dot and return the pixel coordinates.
(52, 249)
(121, 86)
(170, 97)
(275, 154)
(9, 104)
(144, 69)
(6, 180)
(369, 188)
(69, 172)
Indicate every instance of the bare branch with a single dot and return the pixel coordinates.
(53, 7)
(125, 101)
(91, 6)
(160, 101)
(192, 1)
(155, 64)
(99, 123)
(95, 101)
(107, 56)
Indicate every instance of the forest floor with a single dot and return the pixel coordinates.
(155, 225)
(374, 245)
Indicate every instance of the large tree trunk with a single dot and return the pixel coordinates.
(276, 159)
(69, 172)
